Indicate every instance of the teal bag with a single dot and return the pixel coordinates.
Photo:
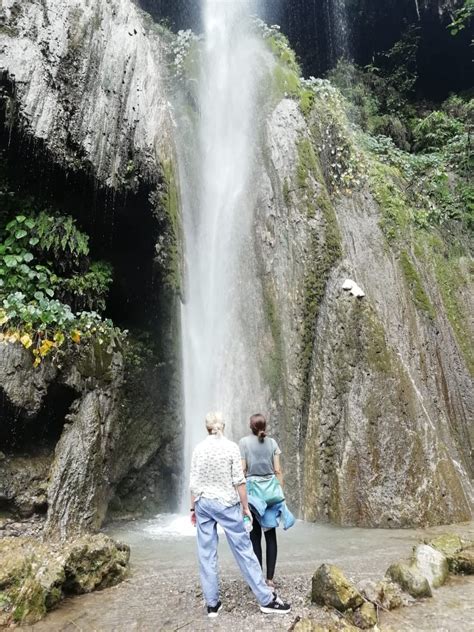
(267, 489)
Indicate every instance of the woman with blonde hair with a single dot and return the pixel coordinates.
(218, 496)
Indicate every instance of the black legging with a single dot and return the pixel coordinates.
(271, 542)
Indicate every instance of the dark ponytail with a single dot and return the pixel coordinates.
(258, 425)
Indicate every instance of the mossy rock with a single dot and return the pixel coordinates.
(14, 563)
(31, 577)
(463, 562)
(409, 578)
(35, 575)
(331, 588)
(365, 617)
(448, 544)
(94, 563)
(384, 593)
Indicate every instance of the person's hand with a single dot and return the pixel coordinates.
(193, 518)
(246, 512)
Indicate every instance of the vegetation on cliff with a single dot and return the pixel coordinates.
(52, 293)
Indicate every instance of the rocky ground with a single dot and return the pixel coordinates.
(163, 592)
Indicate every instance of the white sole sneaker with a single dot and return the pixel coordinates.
(213, 615)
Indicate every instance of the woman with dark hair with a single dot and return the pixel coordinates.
(261, 464)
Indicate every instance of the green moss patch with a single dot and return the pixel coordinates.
(413, 280)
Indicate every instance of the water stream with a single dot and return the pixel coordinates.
(218, 203)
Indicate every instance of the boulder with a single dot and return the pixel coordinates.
(384, 593)
(463, 562)
(94, 563)
(330, 587)
(365, 617)
(448, 544)
(34, 576)
(432, 564)
(409, 578)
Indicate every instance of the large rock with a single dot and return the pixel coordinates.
(385, 594)
(409, 578)
(365, 617)
(431, 564)
(94, 563)
(463, 562)
(330, 587)
(35, 576)
(448, 544)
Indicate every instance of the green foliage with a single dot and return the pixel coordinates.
(340, 161)
(44, 325)
(421, 189)
(48, 254)
(46, 284)
(87, 291)
(435, 130)
(399, 64)
(374, 102)
(462, 17)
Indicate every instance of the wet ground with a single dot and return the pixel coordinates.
(163, 592)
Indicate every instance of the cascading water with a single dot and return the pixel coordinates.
(218, 200)
(337, 27)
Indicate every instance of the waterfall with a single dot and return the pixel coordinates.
(218, 200)
(337, 30)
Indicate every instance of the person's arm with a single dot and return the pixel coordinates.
(242, 492)
(193, 514)
(193, 478)
(238, 479)
(244, 467)
(277, 468)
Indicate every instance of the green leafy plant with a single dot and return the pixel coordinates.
(435, 130)
(462, 17)
(47, 283)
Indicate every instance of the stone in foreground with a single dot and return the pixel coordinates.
(331, 588)
(365, 617)
(464, 561)
(409, 578)
(432, 564)
(35, 576)
(385, 594)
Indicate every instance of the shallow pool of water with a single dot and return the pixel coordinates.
(163, 593)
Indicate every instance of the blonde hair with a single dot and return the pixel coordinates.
(215, 423)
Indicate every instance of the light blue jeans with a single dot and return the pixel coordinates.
(209, 513)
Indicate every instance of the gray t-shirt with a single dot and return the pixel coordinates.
(258, 455)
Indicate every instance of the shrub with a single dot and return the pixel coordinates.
(47, 282)
(435, 130)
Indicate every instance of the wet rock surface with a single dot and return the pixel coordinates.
(330, 587)
(35, 576)
(410, 579)
(432, 564)
(64, 486)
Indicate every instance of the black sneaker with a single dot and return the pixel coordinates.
(277, 606)
(213, 611)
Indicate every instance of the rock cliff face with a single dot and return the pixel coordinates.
(374, 410)
(89, 80)
(87, 125)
